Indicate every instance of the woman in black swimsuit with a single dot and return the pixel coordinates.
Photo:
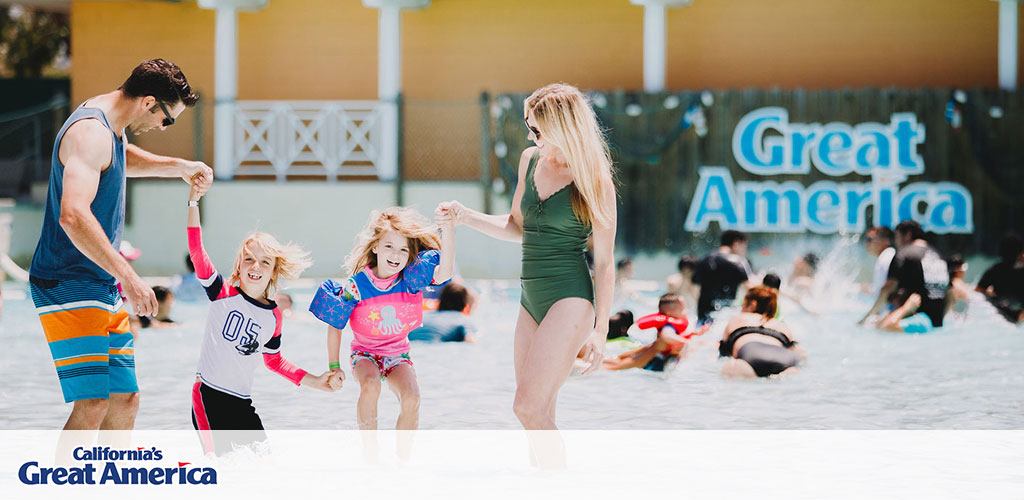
(759, 344)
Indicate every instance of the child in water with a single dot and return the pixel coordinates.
(243, 325)
(396, 257)
(670, 344)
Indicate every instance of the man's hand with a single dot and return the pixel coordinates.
(198, 174)
(139, 295)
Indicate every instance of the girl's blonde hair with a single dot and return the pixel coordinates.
(420, 233)
(566, 120)
(289, 260)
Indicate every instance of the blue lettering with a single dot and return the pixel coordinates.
(25, 477)
(755, 152)
(110, 474)
(857, 194)
(884, 208)
(714, 199)
(209, 476)
(908, 134)
(762, 204)
(800, 145)
(873, 149)
(832, 154)
(823, 219)
(909, 198)
(958, 204)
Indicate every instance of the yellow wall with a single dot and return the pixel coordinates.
(455, 49)
(833, 44)
(459, 48)
(108, 39)
(308, 49)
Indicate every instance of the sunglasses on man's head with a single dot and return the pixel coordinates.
(168, 119)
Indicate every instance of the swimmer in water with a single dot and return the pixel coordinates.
(669, 345)
(682, 283)
(758, 344)
(451, 321)
(721, 273)
(904, 316)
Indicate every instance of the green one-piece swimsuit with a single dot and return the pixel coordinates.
(554, 242)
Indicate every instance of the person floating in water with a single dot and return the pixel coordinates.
(759, 344)
(904, 316)
(451, 322)
(670, 344)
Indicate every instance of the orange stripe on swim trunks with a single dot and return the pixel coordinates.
(63, 325)
(123, 351)
(81, 359)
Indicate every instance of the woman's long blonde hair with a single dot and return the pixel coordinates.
(289, 260)
(566, 120)
(420, 233)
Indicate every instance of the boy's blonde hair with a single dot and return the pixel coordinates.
(566, 120)
(289, 260)
(419, 232)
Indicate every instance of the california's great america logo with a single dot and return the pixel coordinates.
(110, 472)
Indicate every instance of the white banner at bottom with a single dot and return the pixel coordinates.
(516, 464)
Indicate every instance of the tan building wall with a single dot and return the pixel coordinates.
(455, 49)
(834, 44)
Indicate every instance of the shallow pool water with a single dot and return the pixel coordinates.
(965, 376)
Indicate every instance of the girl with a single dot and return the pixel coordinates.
(565, 192)
(397, 255)
(242, 326)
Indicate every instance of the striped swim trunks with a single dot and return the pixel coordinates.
(90, 338)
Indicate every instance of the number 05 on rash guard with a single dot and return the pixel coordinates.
(241, 333)
(381, 318)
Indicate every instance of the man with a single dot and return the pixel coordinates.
(76, 263)
(720, 274)
(916, 269)
(1003, 283)
(878, 241)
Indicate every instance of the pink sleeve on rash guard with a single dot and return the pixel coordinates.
(275, 362)
(204, 268)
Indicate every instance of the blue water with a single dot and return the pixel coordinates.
(966, 376)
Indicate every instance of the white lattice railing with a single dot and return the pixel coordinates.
(332, 138)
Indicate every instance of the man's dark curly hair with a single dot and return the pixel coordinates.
(161, 79)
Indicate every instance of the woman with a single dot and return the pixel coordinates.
(759, 344)
(565, 191)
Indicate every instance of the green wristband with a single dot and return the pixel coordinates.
(334, 365)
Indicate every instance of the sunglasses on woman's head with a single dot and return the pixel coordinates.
(536, 133)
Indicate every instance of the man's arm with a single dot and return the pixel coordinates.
(883, 295)
(86, 148)
(142, 163)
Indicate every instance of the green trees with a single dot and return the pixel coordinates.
(31, 40)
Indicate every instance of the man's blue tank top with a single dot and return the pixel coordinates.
(56, 257)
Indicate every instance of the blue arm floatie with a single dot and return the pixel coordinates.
(330, 306)
(421, 273)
